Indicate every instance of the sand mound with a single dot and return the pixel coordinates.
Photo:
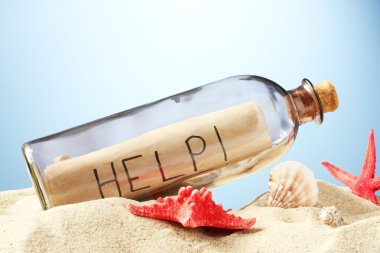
(106, 226)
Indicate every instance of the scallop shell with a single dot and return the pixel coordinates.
(292, 184)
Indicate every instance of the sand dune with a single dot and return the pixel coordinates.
(106, 226)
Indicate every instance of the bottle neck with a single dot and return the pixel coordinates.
(306, 103)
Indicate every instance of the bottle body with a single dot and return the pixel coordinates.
(207, 136)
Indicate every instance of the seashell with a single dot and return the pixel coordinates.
(292, 184)
(331, 216)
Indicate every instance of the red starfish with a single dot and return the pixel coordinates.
(366, 185)
(192, 208)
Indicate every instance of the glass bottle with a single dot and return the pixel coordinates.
(206, 136)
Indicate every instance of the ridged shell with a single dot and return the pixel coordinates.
(292, 184)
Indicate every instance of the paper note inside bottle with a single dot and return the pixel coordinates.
(144, 164)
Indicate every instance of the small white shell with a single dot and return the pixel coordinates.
(331, 216)
(292, 184)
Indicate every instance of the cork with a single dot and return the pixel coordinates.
(328, 96)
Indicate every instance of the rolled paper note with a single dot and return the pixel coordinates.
(142, 165)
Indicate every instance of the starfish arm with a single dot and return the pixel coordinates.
(369, 166)
(373, 199)
(343, 176)
(376, 184)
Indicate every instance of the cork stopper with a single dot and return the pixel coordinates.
(328, 96)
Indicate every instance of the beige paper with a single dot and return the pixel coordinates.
(146, 163)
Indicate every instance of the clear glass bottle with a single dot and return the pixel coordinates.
(206, 136)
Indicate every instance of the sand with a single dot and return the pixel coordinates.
(105, 226)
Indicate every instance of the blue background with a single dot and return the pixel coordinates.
(69, 62)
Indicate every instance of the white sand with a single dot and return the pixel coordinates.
(106, 226)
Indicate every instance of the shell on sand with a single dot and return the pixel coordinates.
(292, 184)
(331, 216)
